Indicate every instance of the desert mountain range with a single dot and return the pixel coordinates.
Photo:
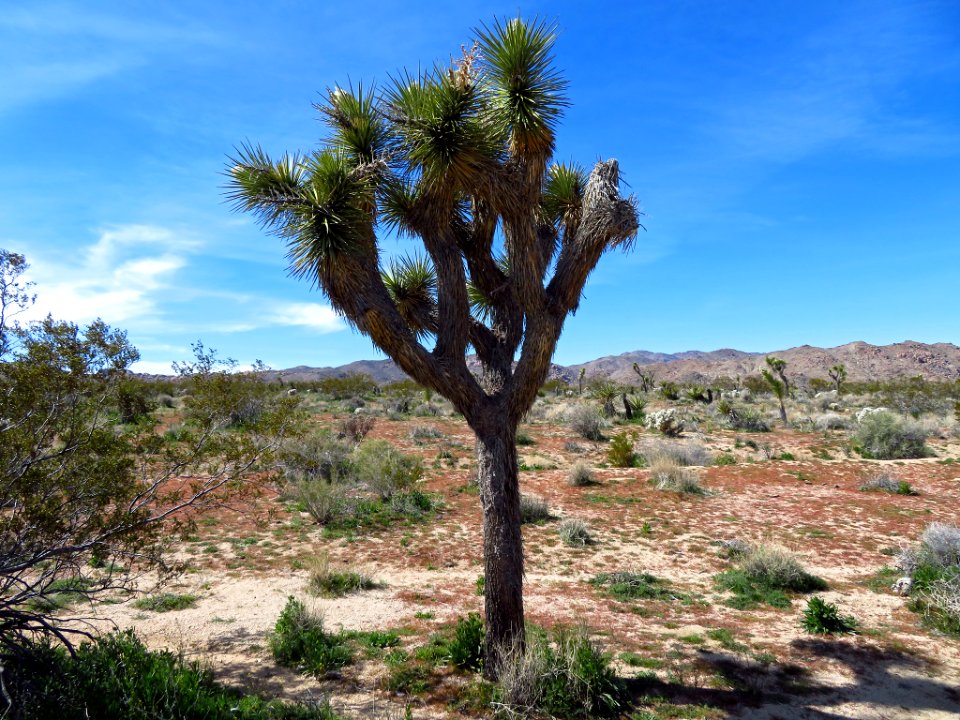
(938, 361)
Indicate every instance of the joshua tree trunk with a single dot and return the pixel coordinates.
(783, 413)
(502, 540)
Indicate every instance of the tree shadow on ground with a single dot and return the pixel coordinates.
(891, 682)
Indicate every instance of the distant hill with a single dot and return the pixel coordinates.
(939, 361)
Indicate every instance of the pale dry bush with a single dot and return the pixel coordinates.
(586, 422)
(667, 474)
(575, 533)
(580, 475)
(942, 544)
(830, 421)
(774, 565)
(533, 509)
(682, 453)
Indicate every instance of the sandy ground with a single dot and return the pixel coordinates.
(244, 564)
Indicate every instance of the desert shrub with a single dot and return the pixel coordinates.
(666, 422)
(823, 618)
(166, 401)
(569, 677)
(934, 567)
(115, 677)
(626, 586)
(884, 482)
(725, 459)
(580, 475)
(533, 509)
(356, 385)
(134, 400)
(299, 641)
(830, 421)
(682, 453)
(425, 432)
(766, 574)
(586, 422)
(669, 390)
(620, 453)
(466, 647)
(317, 456)
(384, 469)
(885, 436)
(327, 581)
(524, 439)
(746, 419)
(165, 602)
(575, 533)
(666, 474)
(356, 427)
(324, 501)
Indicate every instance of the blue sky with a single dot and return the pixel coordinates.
(798, 164)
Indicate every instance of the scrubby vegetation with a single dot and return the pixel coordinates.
(117, 678)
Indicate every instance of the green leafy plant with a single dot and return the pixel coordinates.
(767, 574)
(116, 676)
(466, 647)
(620, 453)
(299, 641)
(165, 602)
(884, 436)
(823, 618)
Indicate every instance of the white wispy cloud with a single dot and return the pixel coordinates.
(53, 50)
(321, 318)
(120, 277)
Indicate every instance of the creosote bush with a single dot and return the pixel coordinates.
(885, 436)
(384, 469)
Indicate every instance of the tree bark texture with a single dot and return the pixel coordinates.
(502, 541)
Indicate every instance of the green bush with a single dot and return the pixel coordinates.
(385, 470)
(884, 482)
(299, 641)
(620, 453)
(885, 436)
(569, 677)
(466, 647)
(934, 567)
(116, 678)
(165, 602)
(625, 586)
(766, 575)
(328, 582)
(823, 618)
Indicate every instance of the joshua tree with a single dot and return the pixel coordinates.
(646, 378)
(838, 373)
(580, 377)
(778, 383)
(459, 157)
